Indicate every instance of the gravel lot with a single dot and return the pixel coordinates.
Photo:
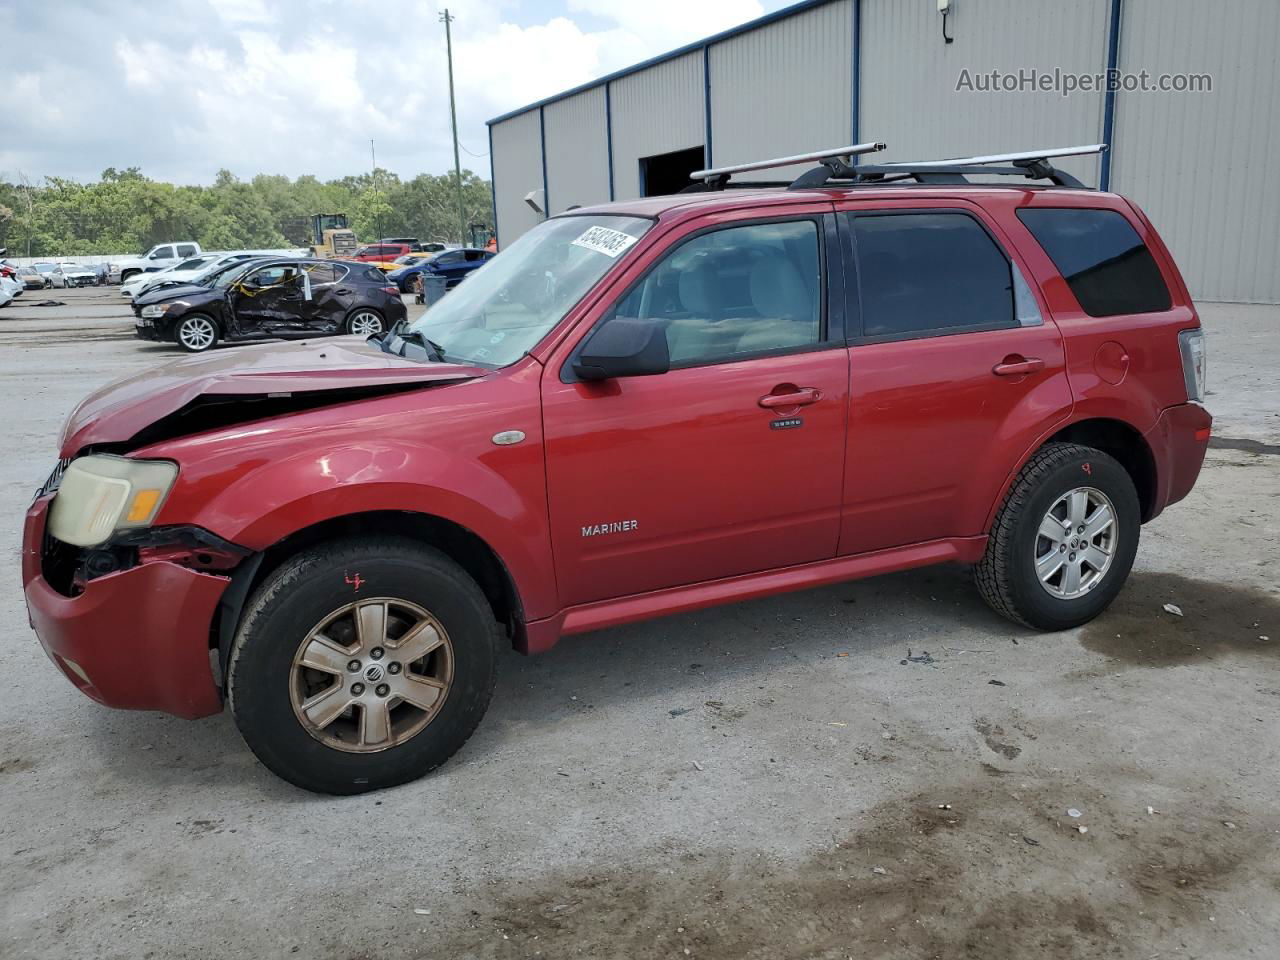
(790, 777)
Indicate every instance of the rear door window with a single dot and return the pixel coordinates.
(925, 274)
(1102, 258)
(186, 250)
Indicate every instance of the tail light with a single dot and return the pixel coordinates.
(1191, 343)
(393, 290)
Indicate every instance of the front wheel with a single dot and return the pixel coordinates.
(365, 323)
(362, 664)
(196, 333)
(1064, 539)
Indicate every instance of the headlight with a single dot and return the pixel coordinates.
(101, 494)
(156, 309)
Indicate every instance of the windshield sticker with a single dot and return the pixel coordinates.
(606, 241)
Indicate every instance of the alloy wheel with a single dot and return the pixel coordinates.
(197, 333)
(365, 323)
(371, 675)
(1076, 543)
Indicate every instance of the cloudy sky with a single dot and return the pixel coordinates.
(182, 88)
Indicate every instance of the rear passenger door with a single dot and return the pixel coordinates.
(955, 369)
(731, 462)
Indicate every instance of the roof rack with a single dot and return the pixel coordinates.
(838, 158)
(836, 165)
(1029, 164)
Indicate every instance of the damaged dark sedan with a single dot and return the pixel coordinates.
(278, 298)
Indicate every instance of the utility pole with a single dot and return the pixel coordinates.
(373, 175)
(447, 19)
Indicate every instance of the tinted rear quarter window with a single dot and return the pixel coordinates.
(930, 273)
(1102, 258)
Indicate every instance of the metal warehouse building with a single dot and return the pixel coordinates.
(825, 73)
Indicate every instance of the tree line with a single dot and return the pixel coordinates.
(125, 211)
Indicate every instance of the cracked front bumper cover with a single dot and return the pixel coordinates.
(137, 639)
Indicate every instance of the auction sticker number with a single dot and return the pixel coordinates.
(606, 241)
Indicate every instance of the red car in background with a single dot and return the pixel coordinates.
(381, 252)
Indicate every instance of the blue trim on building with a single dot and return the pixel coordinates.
(493, 188)
(1109, 97)
(608, 134)
(542, 135)
(694, 47)
(856, 70)
(706, 102)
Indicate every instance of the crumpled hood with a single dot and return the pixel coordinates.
(120, 410)
(163, 294)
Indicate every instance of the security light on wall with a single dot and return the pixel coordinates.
(944, 8)
(534, 199)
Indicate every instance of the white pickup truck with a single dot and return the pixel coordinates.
(157, 258)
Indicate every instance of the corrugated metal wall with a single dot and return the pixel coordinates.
(1201, 164)
(517, 169)
(1197, 163)
(577, 151)
(784, 88)
(909, 77)
(655, 111)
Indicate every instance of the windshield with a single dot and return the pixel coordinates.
(510, 304)
(228, 274)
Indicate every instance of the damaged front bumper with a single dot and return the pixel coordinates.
(137, 638)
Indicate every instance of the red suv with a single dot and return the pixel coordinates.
(636, 409)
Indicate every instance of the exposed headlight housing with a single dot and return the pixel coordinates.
(156, 309)
(1191, 343)
(102, 494)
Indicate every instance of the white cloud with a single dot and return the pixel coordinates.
(300, 86)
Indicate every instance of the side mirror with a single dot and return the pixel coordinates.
(624, 347)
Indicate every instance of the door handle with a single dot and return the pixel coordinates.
(343, 292)
(1016, 366)
(800, 397)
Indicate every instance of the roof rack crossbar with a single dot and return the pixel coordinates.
(1030, 164)
(1046, 154)
(835, 153)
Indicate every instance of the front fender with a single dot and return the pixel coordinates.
(254, 487)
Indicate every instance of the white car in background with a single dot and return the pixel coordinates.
(187, 271)
(9, 288)
(74, 275)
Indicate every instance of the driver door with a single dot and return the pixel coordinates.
(707, 471)
(267, 301)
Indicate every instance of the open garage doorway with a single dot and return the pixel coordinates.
(666, 173)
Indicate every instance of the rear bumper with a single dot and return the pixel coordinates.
(137, 639)
(1178, 443)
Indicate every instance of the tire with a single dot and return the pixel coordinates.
(128, 275)
(1017, 576)
(364, 321)
(268, 689)
(196, 333)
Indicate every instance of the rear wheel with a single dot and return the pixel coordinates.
(364, 322)
(1064, 539)
(196, 333)
(362, 664)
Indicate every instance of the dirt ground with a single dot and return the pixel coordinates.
(882, 769)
